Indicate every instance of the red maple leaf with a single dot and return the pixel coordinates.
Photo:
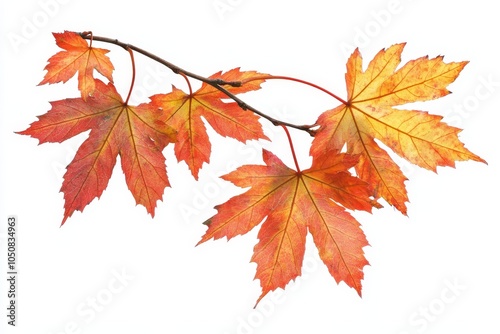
(137, 134)
(185, 112)
(295, 202)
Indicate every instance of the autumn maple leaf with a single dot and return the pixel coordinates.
(295, 202)
(137, 133)
(77, 57)
(369, 115)
(185, 112)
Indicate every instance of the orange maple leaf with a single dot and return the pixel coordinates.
(77, 57)
(185, 112)
(137, 133)
(295, 202)
(368, 114)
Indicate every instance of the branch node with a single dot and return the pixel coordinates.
(85, 34)
(221, 82)
(243, 105)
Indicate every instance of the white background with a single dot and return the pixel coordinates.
(434, 271)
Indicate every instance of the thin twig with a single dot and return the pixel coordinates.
(216, 83)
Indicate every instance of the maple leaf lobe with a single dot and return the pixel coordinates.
(77, 57)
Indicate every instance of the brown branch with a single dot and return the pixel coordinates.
(216, 83)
